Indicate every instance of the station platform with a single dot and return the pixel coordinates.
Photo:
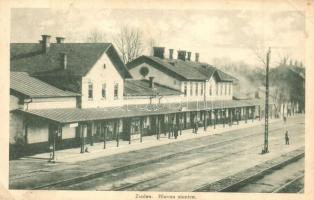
(97, 150)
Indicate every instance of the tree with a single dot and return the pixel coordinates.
(95, 36)
(129, 42)
(152, 42)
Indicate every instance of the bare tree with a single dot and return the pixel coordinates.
(129, 42)
(96, 36)
(152, 42)
(259, 51)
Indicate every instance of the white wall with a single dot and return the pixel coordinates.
(37, 131)
(52, 103)
(99, 75)
(16, 126)
(68, 132)
(210, 83)
(155, 100)
(14, 103)
(160, 77)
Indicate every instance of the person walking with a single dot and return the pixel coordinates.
(287, 138)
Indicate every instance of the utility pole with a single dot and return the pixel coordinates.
(265, 150)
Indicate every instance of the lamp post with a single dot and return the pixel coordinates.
(265, 149)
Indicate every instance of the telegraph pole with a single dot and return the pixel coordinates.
(265, 150)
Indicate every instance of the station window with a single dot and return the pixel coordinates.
(116, 90)
(104, 90)
(196, 89)
(217, 89)
(210, 90)
(191, 89)
(226, 87)
(202, 89)
(90, 90)
(185, 88)
(230, 89)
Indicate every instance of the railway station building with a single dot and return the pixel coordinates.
(75, 94)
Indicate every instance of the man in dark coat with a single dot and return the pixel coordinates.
(196, 127)
(175, 132)
(287, 138)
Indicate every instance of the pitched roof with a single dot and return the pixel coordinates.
(142, 88)
(183, 70)
(23, 84)
(69, 115)
(29, 57)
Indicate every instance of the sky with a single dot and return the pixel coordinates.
(223, 35)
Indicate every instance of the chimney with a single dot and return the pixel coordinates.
(64, 60)
(189, 56)
(181, 54)
(60, 40)
(170, 53)
(159, 52)
(197, 57)
(45, 43)
(151, 82)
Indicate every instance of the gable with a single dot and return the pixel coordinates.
(117, 62)
(182, 70)
(104, 69)
(159, 66)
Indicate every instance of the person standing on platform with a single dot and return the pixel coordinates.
(51, 152)
(196, 127)
(172, 129)
(287, 138)
(175, 132)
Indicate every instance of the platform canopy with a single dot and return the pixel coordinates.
(71, 115)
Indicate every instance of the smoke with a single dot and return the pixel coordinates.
(249, 78)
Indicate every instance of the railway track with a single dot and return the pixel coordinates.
(144, 185)
(166, 173)
(72, 181)
(296, 185)
(127, 169)
(249, 179)
(137, 184)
